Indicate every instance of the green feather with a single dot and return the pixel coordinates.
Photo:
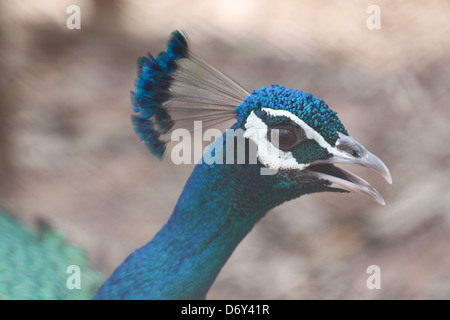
(33, 264)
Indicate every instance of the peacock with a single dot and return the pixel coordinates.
(283, 143)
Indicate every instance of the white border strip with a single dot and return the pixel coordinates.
(310, 132)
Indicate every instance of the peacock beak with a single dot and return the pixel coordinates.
(350, 151)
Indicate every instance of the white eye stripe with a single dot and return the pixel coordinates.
(274, 158)
(268, 154)
(310, 132)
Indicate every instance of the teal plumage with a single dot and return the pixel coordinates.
(33, 264)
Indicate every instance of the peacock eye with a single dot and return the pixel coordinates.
(284, 138)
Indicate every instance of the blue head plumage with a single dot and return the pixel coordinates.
(313, 111)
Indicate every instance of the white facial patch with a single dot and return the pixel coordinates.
(271, 156)
(267, 153)
(310, 132)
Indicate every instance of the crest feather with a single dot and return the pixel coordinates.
(176, 88)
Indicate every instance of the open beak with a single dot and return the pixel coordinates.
(350, 151)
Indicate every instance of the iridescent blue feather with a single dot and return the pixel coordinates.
(152, 90)
(175, 88)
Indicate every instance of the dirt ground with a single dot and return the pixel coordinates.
(69, 154)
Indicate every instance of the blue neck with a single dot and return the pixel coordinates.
(219, 205)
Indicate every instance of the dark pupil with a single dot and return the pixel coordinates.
(286, 138)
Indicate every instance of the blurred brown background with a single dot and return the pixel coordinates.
(69, 154)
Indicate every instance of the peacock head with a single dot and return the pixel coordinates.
(298, 137)
(301, 138)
